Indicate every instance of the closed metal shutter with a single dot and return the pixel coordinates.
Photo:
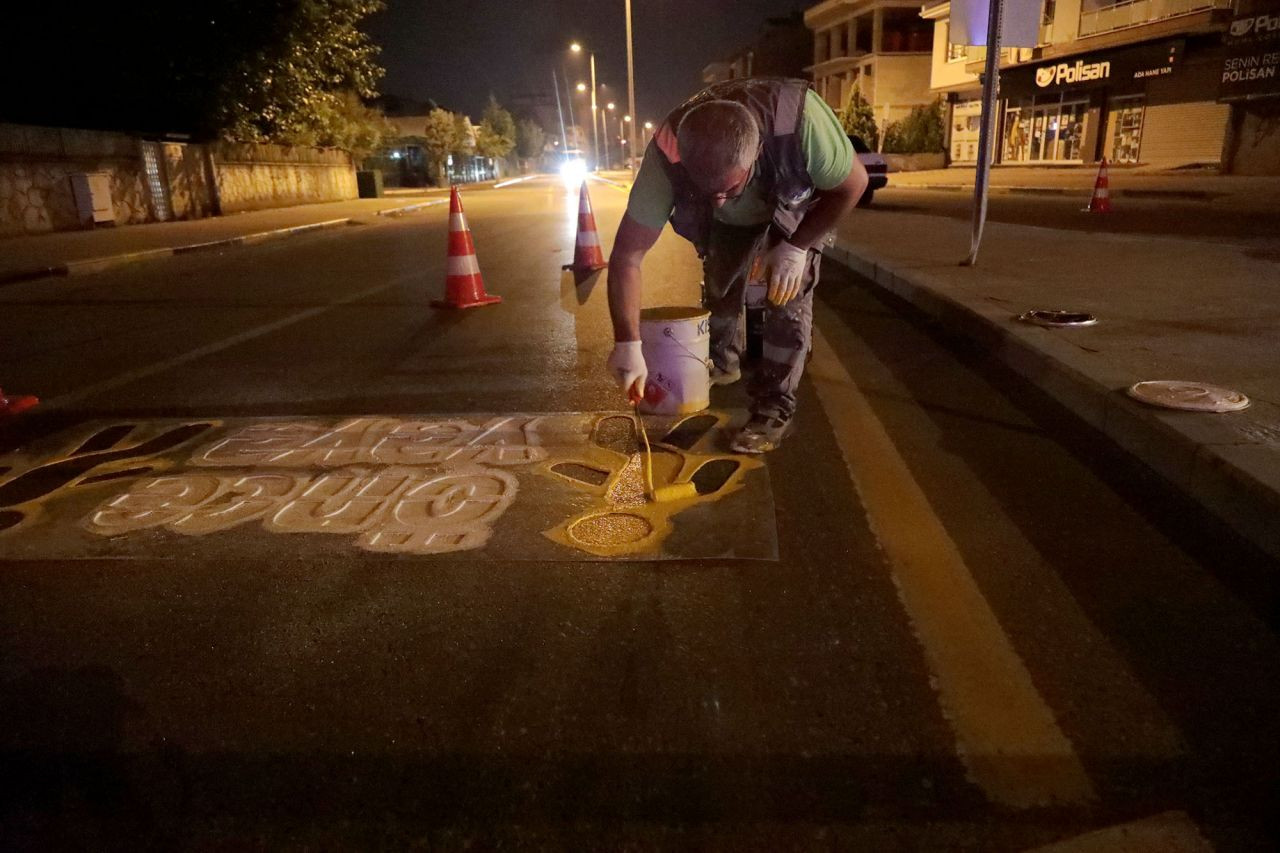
(1177, 134)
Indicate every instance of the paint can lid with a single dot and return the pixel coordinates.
(1188, 396)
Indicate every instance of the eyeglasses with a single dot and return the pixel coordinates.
(735, 191)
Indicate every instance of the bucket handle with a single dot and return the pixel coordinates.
(706, 362)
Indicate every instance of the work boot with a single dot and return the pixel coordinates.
(724, 377)
(761, 434)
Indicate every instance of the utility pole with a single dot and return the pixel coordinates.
(595, 134)
(631, 97)
(990, 91)
(564, 138)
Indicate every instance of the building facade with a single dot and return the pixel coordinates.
(780, 49)
(1134, 81)
(879, 48)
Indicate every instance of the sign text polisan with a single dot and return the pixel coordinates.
(1056, 75)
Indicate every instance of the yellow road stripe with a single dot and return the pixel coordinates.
(1006, 734)
(1170, 832)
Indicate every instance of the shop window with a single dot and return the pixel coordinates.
(1126, 124)
(1045, 131)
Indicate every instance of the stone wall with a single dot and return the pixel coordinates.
(253, 177)
(35, 168)
(192, 180)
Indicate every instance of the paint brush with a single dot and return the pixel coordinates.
(665, 494)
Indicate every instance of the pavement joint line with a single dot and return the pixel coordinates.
(62, 401)
(1006, 734)
(1242, 499)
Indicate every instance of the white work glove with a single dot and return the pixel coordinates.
(626, 365)
(786, 264)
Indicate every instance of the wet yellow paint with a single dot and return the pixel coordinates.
(611, 525)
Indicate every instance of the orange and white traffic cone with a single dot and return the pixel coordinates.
(15, 405)
(1101, 200)
(587, 257)
(463, 285)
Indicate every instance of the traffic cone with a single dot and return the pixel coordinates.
(587, 257)
(15, 405)
(1101, 200)
(463, 285)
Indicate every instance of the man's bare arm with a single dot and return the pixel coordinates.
(831, 205)
(631, 244)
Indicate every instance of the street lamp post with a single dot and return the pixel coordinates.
(631, 93)
(595, 136)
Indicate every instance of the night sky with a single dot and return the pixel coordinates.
(457, 52)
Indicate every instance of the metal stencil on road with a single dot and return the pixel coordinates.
(503, 487)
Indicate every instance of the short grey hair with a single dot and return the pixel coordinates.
(716, 137)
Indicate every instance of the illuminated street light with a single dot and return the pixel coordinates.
(582, 87)
(576, 47)
(610, 105)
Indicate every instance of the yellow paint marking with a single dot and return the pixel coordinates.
(1006, 734)
(622, 520)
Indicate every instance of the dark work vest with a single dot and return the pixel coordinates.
(778, 107)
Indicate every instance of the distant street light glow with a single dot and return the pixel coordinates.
(582, 87)
(573, 171)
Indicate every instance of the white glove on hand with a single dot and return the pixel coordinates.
(626, 365)
(786, 265)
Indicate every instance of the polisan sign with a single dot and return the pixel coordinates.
(1065, 74)
(1090, 71)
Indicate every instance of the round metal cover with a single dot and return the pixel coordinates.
(1189, 396)
(1058, 318)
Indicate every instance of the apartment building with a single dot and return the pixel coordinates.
(881, 48)
(780, 49)
(1134, 81)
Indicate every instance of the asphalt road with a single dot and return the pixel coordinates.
(1217, 220)
(982, 629)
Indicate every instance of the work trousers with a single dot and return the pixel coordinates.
(787, 328)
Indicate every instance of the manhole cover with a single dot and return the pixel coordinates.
(1058, 318)
(1189, 396)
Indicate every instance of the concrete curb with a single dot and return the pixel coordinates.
(92, 265)
(1185, 195)
(1226, 463)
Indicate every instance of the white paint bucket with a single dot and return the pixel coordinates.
(676, 342)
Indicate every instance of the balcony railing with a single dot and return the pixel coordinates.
(1134, 13)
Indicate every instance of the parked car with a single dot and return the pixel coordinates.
(877, 169)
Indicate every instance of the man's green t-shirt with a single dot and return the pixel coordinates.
(828, 155)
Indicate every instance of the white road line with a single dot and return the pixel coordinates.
(120, 380)
(515, 181)
(1006, 733)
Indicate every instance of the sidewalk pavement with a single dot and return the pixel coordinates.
(1244, 192)
(79, 252)
(1167, 309)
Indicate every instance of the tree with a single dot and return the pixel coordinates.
(859, 119)
(310, 58)
(439, 138)
(921, 132)
(248, 70)
(464, 137)
(530, 139)
(497, 134)
(346, 123)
